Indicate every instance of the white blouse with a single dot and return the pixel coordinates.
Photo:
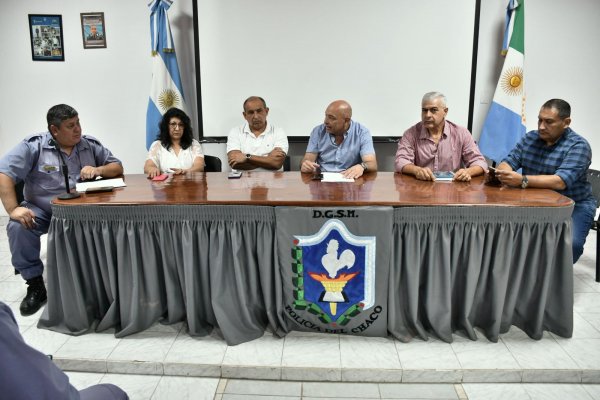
(167, 159)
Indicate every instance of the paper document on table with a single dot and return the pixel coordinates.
(335, 177)
(116, 182)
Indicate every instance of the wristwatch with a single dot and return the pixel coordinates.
(364, 165)
(524, 182)
(248, 156)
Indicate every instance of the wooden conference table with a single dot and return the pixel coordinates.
(203, 248)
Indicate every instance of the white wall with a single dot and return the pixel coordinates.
(373, 54)
(109, 87)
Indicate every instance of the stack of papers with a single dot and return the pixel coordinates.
(335, 177)
(112, 183)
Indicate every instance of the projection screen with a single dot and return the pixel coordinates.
(380, 55)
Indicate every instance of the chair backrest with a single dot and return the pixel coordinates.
(212, 164)
(593, 176)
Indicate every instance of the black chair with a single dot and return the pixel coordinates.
(286, 164)
(212, 164)
(593, 176)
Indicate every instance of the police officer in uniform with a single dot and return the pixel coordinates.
(36, 161)
(29, 374)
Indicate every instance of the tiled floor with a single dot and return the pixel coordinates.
(165, 362)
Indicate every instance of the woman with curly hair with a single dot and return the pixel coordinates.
(175, 149)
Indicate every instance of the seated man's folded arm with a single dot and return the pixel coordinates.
(237, 160)
(274, 160)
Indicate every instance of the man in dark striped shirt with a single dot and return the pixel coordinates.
(555, 157)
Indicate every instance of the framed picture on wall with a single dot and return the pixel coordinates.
(93, 30)
(46, 37)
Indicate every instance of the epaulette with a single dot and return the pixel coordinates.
(92, 139)
(34, 137)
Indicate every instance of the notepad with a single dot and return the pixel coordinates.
(104, 183)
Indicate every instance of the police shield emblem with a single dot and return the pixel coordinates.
(334, 273)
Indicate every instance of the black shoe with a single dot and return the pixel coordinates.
(36, 296)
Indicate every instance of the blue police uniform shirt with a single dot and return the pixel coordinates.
(335, 158)
(37, 163)
(569, 158)
(27, 373)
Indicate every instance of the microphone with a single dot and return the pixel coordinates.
(68, 195)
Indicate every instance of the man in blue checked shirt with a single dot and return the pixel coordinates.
(555, 157)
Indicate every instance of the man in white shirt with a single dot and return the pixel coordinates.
(256, 145)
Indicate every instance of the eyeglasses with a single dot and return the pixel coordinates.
(176, 125)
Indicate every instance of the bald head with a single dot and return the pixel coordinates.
(337, 117)
(342, 107)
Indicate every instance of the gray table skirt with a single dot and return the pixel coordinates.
(452, 269)
(457, 268)
(127, 267)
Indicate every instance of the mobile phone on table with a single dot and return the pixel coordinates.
(100, 189)
(160, 177)
(234, 174)
(317, 174)
(493, 179)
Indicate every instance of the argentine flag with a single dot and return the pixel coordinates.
(166, 90)
(505, 123)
